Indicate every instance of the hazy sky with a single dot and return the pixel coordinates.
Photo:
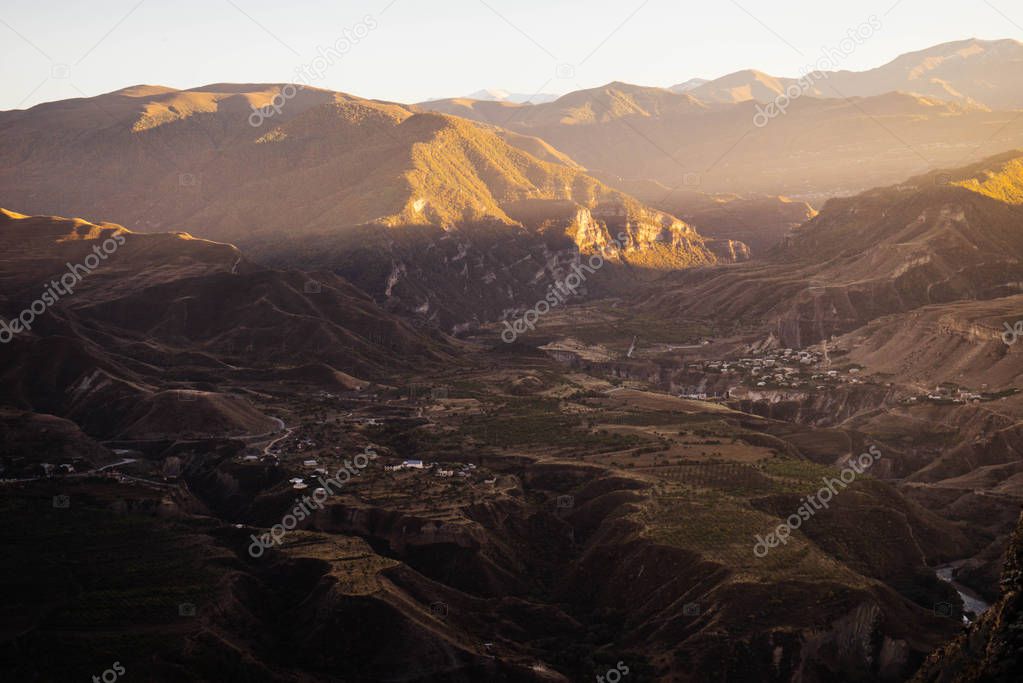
(411, 50)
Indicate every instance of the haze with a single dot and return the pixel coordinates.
(420, 51)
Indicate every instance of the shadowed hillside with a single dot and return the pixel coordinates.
(164, 306)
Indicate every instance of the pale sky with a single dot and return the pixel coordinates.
(411, 50)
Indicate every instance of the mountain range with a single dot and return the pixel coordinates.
(983, 73)
(944, 106)
(384, 185)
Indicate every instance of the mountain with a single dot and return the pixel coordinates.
(935, 239)
(742, 86)
(604, 104)
(986, 72)
(494, 95)
(688, 85)
(361, 177)
(975, 72)
(342, 161)
(945, 106)
(819, 148)
(109, 351)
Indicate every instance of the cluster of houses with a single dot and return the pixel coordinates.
(761, 361)
(51, 470)
(464, 470)
(807, 368)
(409, 465)
(14, 468)
(783, 368)
(951, 393)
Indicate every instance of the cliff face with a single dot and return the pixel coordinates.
(729, 251)
(992, 649)
(640, 236)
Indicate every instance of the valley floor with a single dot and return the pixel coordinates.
(525, 516)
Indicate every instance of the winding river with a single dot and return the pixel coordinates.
(972, 602)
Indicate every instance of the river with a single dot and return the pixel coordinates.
(972, 602)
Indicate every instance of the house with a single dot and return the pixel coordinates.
(309, 463)
(412, 465)
(445, 473)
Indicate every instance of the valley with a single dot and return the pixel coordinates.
(719, 381)
(594, 492)
(519, 484)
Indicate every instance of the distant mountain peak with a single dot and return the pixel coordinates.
(972, 72)
(688, 85)
(499, 95)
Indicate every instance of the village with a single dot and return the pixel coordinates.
(337, 429)
(810, 369)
